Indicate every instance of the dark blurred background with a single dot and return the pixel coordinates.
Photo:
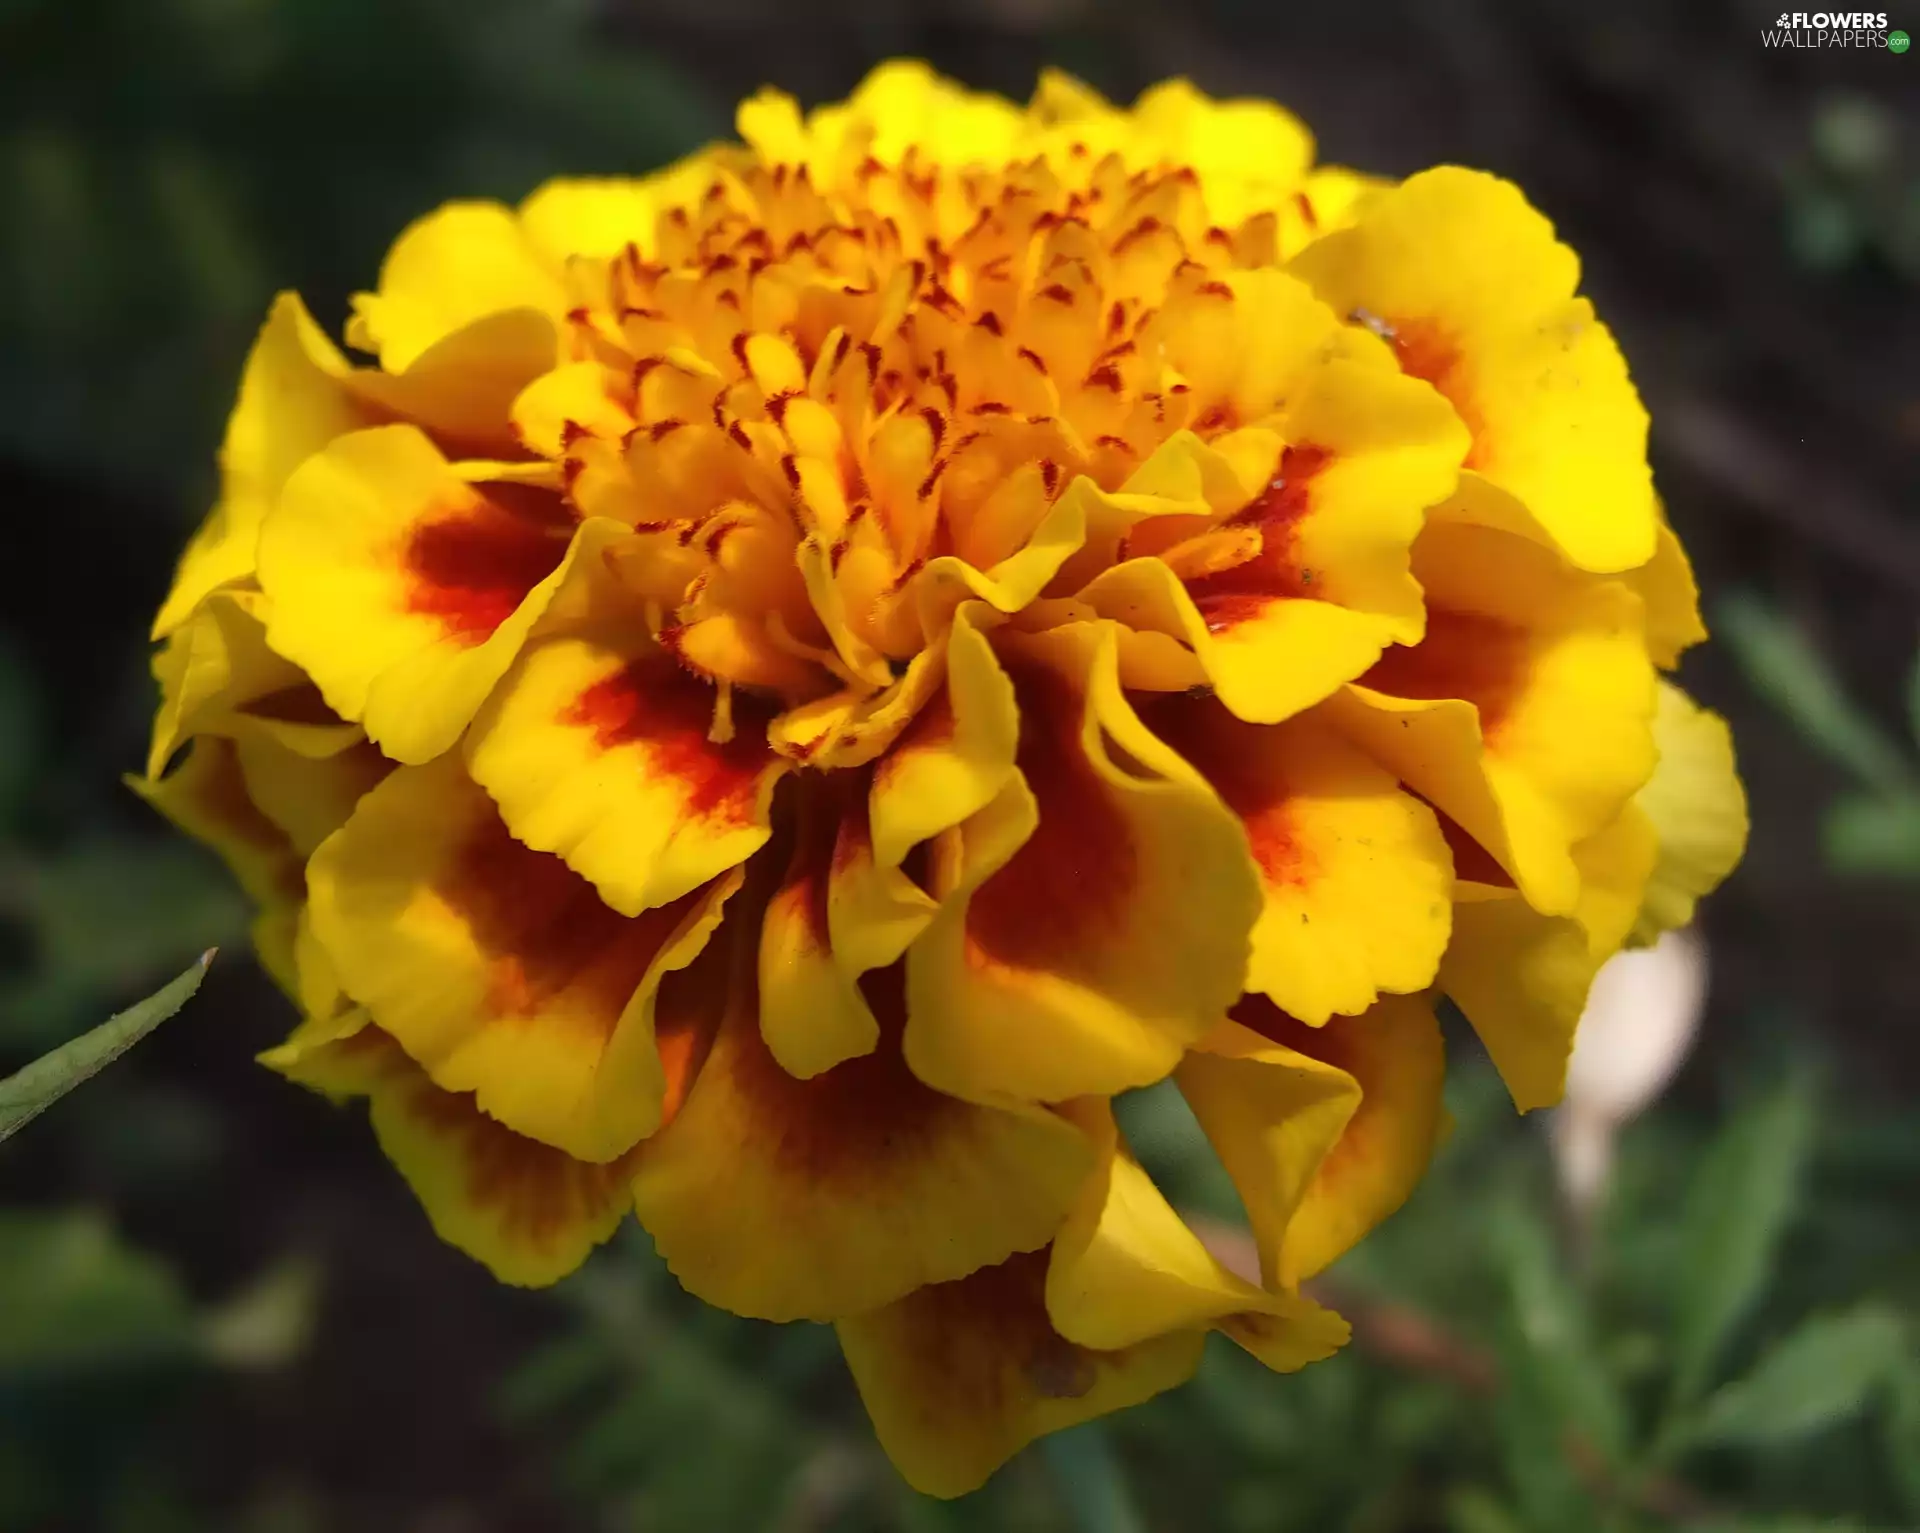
(219, 1311)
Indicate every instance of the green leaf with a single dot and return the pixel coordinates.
(1785, 668)
(74, 1299)
(1552, 1323)
(1867, 834)
(31, 1091)
(1737, 1208)
(1822, 1373)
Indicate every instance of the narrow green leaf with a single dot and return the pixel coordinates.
(1868, 834)
(1738, 1206)
(31, 1091)
(1822, 1373)
(1553, 1324)
(1785, 668)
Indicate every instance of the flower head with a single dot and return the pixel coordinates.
(784, 686)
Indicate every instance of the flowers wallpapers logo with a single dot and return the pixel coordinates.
(763, 696)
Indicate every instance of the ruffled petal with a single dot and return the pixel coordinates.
(403, 589)
(497, 967)
(1525, 714)
(601, 748)
(293, 400)
(819, 1199)
(1356, 876)
(836, 915)
(1479, 300)
(1521, 977)
(1697, 808)
(464, 262)
(955, 756)
(1095, 915)
(1126, 1269)
(1367, 1091)
(529, 1213)
(958, 1377)
(206, 796)
(217, 676)
(1303, 586)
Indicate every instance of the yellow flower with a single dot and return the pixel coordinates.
(790, 683)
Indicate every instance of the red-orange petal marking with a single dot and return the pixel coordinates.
(471, 563)
(1480, 660)
(654, 704)
(1235, 595)
(1068, 883)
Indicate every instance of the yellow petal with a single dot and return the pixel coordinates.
(1479, 299)
(599, 747)
(1698, 810)
(589, 217)
(1095, 916)
(464, 262)
(217, 676)
(206, 796)
(836, 915)
(1329, 587)
(1665, 583)
(956, 755)
(1521, 977)
(462, 387)
(1394, 1053)
(1525, 714)
(1126, 1268)
(818, 1199)
(307, 797)
(293, 400)
(1355, 873)
(958, 1377)
(402, 589)
(498, 968)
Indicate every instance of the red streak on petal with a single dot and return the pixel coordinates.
(544, 931)
(1220, 748)
(864, 1120)
(687, 1018)
(830, 806)
(470, 563)
(1428, 352)
(1067, 889)
(655, 705)
(535, 1191)
(1477, 659)
(1235, 596)
(955, 1339)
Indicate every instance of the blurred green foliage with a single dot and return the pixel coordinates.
(1733, 1348)
(168, 164)
(1688, 1375)
(1873, 828)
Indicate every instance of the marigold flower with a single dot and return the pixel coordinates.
(788, 684)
